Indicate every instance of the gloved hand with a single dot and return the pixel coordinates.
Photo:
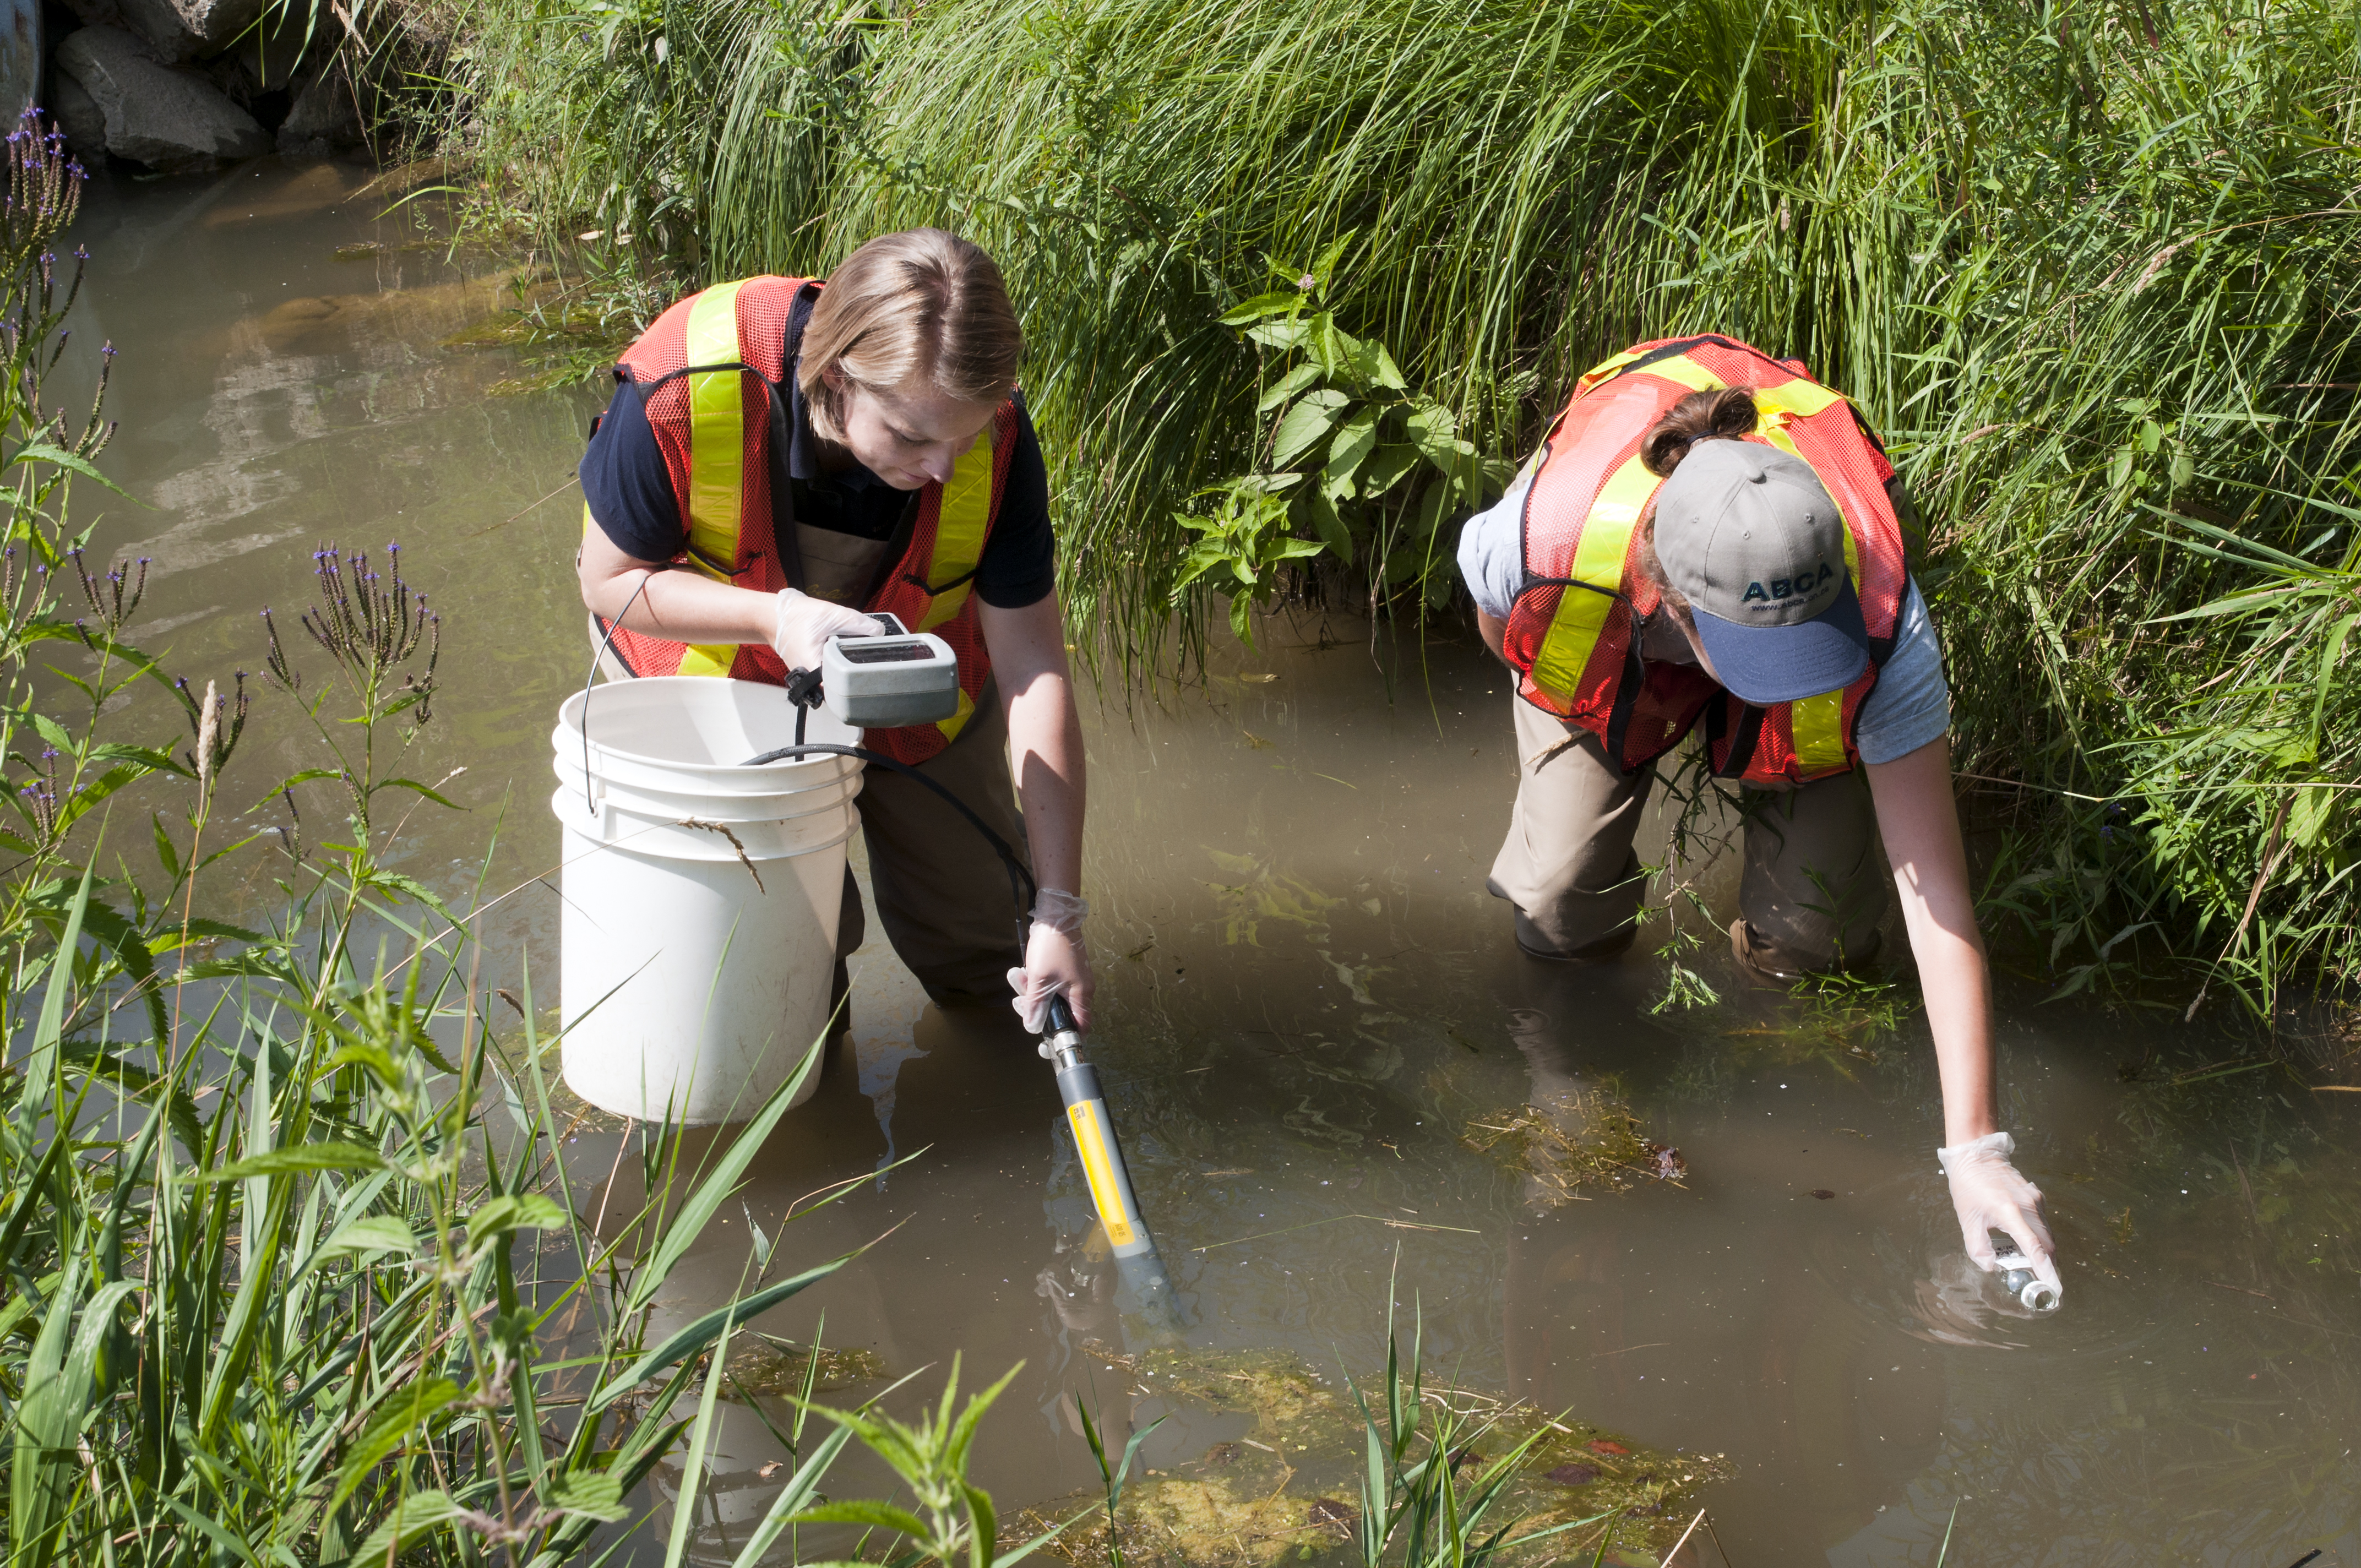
(805, 624)
(1989, 1195)
(1055, 961)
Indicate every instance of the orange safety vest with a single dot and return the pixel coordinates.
(713, 371)
(1573, 634)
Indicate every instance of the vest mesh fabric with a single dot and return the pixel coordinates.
(1572, 632)
(761, 307)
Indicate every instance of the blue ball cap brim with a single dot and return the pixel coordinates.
(1766, 665)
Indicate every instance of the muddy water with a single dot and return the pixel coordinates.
(1307, 1001)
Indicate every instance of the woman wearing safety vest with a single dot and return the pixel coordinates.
(1707, 534)
(784, 459)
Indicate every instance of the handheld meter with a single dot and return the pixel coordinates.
(884, 682)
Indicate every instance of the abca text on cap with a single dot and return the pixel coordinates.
(1803, 585)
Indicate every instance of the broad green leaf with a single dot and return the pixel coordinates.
(1277, 302)
(410, 1404)
(1288, 333)
(1322, 513)
(167, 855)
(867, 1511)
(377, 1233)
(294, 1160)
(1311, 418)
(58, 456)
(513, 1211)
(1357, 438)
(2310, 814)
(593, 1493)
(1435, 433)
(1286, 386)
(416, 788)
(419, 1515)
(1385, 468)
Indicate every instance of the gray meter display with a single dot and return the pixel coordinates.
(880, 683)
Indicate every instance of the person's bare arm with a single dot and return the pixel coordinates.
(684, 606)
(1493, 631)
(1045, 752)
(1920, 824)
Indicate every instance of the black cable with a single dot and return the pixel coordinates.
(1021, 885)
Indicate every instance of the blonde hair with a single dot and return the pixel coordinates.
(922, 306)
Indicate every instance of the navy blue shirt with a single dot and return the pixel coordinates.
(630, 492)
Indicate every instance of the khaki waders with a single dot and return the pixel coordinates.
(1810, 899)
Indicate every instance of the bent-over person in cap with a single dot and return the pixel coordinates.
(1709, 540)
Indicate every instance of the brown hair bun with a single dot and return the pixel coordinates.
(1721, 415)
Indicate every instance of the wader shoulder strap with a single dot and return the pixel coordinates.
(783, 500)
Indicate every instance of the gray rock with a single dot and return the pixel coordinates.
(166, 119)
(79, 115)
(324, 118)
(271, 55)
(184, 29)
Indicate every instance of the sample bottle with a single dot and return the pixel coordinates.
(2036, 1294)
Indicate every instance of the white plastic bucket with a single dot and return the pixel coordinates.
(700, 896)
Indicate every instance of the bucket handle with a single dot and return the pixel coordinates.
(591, 678)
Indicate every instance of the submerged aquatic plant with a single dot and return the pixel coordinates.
(1581, 1138)
(1391, 1472)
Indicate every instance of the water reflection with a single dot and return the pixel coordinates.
(1307, 998)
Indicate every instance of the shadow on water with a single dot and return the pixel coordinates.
(1307, 999)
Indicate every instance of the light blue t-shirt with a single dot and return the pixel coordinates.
(1909, 706)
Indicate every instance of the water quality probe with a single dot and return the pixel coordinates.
(904, 678)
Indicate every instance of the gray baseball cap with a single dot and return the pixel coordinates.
(1752, 539)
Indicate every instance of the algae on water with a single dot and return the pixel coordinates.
(1290, 1488)
(1583, 1137)
(779, 1367)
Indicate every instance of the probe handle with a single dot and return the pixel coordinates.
(1061, 1015)
(1102, 1157)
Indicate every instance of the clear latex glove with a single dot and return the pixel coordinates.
(805, 624)
(1055, 961)
(1989, 1195)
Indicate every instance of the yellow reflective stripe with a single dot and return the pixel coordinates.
(957, 721)
(1816, 723)
(1679, 368)
(1599, 560)
(1797, 399)
(1090, 1140)
(708, 659)
(1605, 367)
(1688, 373)
(717, 433)
(959, 526)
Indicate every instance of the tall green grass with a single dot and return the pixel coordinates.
(2090, 270)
